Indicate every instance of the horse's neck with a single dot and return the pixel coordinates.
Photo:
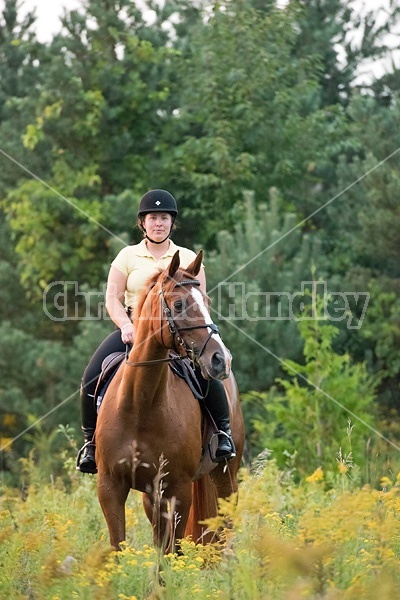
(144, 384)
(146, 345)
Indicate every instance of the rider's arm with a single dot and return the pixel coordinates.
(116, 286)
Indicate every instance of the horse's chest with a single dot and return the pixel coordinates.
(149, 458)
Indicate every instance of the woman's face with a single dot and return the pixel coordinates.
(157, 225)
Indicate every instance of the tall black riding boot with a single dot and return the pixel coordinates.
(217, 403)
(85, 461)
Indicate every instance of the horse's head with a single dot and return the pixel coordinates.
(186, 325)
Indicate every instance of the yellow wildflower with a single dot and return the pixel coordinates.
(386, 482)
(318, 475)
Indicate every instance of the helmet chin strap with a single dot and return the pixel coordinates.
(154, 241)
(162, 241)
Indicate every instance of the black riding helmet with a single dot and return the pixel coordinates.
(157, 201)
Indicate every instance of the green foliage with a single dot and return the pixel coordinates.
(255, 280)
(248, 117)
(56, 235)
(40, 378)
(382, 327)
(371, 240)
(105, 85)
(327, 30)
(20, 78)
(325, 406)
(364, 241)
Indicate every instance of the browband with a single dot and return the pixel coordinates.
(188, 282)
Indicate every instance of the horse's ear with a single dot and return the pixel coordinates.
(174, 264)
(195, 266)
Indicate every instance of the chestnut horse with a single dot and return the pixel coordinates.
(149, 429)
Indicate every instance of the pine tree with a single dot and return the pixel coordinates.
(256, 277)
(364, 243)
(346, 38)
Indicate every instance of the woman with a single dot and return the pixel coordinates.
(129, 272)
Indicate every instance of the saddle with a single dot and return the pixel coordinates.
(181, 367)
(109, 367)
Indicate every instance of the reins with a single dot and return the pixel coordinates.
(144, 363)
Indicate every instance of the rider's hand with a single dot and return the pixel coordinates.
(127, 333)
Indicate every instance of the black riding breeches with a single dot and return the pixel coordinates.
(112, 343)
(215, 397)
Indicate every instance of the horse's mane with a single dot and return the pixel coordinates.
(169, 283)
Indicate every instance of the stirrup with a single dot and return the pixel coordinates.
(224, 457)
(85, 446)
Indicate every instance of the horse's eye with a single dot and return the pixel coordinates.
(178, 305)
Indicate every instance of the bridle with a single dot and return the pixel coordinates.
(176, 331)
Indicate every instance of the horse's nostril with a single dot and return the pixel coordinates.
(218, 362)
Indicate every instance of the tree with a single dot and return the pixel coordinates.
(247, 118)
(326, 406)
(96, 123)
(363, 239)
(346, 38)
(20, 77)
(257, 277)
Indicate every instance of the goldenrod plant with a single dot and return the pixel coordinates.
(284, 539)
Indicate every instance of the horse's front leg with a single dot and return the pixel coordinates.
(168, 517)
(113, 492)
(225, 480)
